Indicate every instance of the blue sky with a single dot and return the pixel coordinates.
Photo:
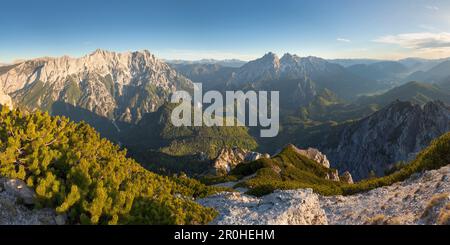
(243, 29)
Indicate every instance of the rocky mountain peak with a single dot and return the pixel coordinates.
(270, 56)
(287, 57)
(114, 85)
(100, 52)
(266, 68)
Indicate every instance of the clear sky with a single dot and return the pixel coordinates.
(223, 29)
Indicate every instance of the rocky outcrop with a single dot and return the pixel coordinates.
(333, 175)
(120, 86)
(5, 100)
(390, 135)
(229, 158)
(315, 155)
(13, 195)
(322, 159)
(296, 207)
(422, 199)
(346, 177)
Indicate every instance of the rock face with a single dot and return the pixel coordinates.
(119, 86)
(390, 135)
(297, 207)
(422, 199)
(12, 210)
(229, 158)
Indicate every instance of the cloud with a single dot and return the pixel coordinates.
(344, 40)
(420, 40)
(432, 7)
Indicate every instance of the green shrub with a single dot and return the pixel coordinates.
(90, 179)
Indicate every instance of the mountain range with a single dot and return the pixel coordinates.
(125, 95)
(346, 127)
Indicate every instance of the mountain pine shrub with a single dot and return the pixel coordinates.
(90, 179)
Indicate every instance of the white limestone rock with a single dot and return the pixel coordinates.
(292, 207)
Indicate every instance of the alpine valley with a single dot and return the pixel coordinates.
(89, 140)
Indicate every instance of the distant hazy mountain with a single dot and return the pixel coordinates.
(445, 85)
(210, 75)
(352, 62)
(226, 63)
(418, 93)
(292, 67)
(387, 71)
(412, 64)
(120, 86)
(420, 64)
(438, 74)
(395, 133)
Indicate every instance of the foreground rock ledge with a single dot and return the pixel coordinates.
(422, 199)
(292, 207)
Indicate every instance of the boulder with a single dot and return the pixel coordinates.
(20, 190)
(289, 207)
(347, 177)
(60, 219)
